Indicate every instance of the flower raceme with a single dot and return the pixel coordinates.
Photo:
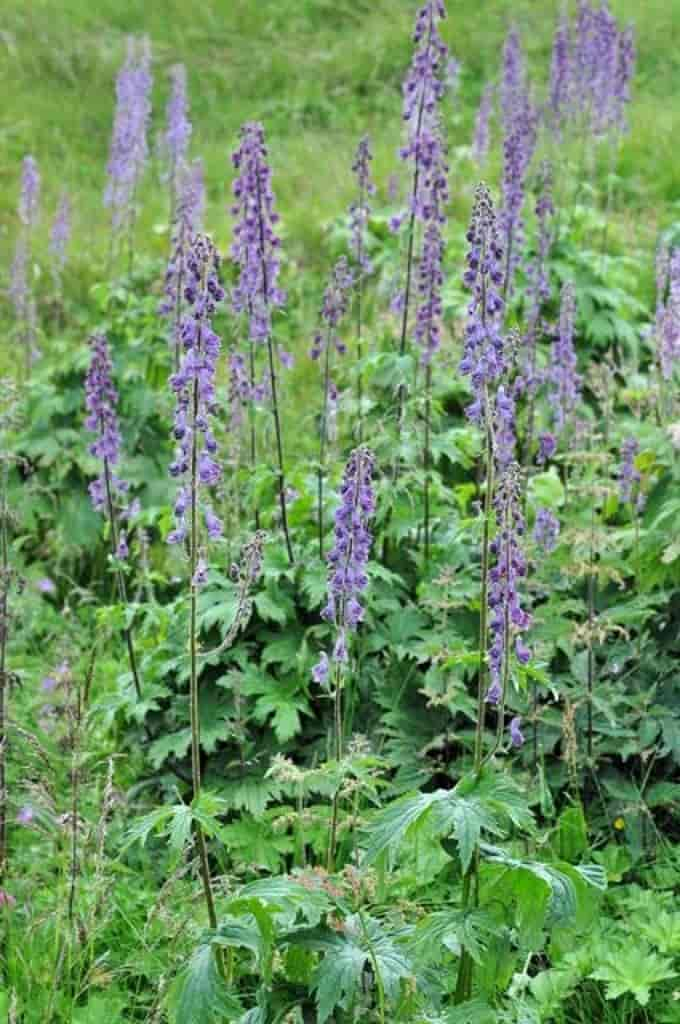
(101, 400)
(194, 387)
(347, 560)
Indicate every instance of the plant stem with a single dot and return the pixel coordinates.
(272, 374)
(76, 717)
(360, 343)
(427, 462)
(591, 626)
(204, 866)
(122, 588)
(4, 689)
(337, 715)
(323, 435)
(251, 419)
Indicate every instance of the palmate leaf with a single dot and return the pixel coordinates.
(402, 819)
(633, 970)
(453, 930)
(200, 995)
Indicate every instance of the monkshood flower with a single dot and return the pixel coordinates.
(507, 618)
(628, 475)
(60, 235)
(547, 446)
(129, 149)
(538, 273)
(335, 305)
(256, 245)
(101, 400)
(348, 558)
(194, 387)
(430, 279)
(29, 200)
(360, 210)
(483, 352)
(504, 422)
(482, 135)
(546, 529)
(178, 125)
(669, 332)
(516, 734)
(19, 291)
(564, 380)
(625, 69)
(561, 77)
(188, 216)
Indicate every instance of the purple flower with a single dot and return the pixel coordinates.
(507, 619)
(335, 304)
(29, 200)
(538, 290)
(188, 217)
(321, 670)
(122, 551)
(547, 446)
(565, 381)
(194, 386)
(504, 439)
(129, 149)
(546, 529)
(25, 815)
(60, 236)
(668, 313)
(629, 476)
(481, 139)
(178, 126)
(561, 73)
(360, 210)
(200, 577)
(256, 245)
(101, 399)
(348, 558)
(49, 683)
(483, 351)
(516, 734)
(46, 585)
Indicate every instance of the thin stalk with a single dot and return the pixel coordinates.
(251, 422)
(591, 626)
(178, 298)
(275, 402)
(337, 716)
(636, 523)
(360, 342)
(204, 866)
(323, 436)
(75, 785)
(4, 689)
(122, 588)
(427, 462)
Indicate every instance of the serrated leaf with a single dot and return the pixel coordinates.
(200, 995)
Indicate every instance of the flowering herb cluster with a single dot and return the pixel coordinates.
(101, 401)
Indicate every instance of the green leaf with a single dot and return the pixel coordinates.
(200, 995)
(633, 969)
(546, 489)
(401, 819)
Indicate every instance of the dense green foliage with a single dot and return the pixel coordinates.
(537, 886)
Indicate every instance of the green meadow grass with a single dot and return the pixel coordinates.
(317, 72)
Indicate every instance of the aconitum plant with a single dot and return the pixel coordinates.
(483, 351)
(29, 201)
(256, 251)
(561, 77)
(20, 287)
(60, 236)
(188, 218)
(359, 213)
(177, 132)
(565, 382)
(507, 619)
(129, 142)
(628, 474)
(668, 311)
(194, 465)
(546, 529)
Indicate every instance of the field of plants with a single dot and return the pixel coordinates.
(340, 512)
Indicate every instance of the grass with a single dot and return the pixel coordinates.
(317, 72)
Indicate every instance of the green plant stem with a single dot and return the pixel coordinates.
(4, 689)
(427, 463)
(251, 422)
(323, 435)
(122, 588)
(591, 627)
(360, 341)
(281, 475)
(337, 718)
(75, 784)
(376, 968)
(204, 866)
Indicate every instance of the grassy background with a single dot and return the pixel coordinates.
(317, 72)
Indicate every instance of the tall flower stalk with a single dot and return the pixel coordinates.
(196, 470)
(177, 134)
(8, 582)
(60, 236)
(359, 213)
(256, 251)
(423, 89)
(106, 492)
(188, 221)
(335, 304)
(347, 580)
(129, 149)
(21, 289)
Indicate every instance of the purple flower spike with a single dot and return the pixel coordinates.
(60, 236)
(194, 386)
(178, 125)
(516, 734)
(101, 399)
(561, 75)
(629, 476)
(565, 381)
(546, 530)
(480, 143)
(483, 352)
(359, 211)
(668, 315)
(507, 619)
(29, 202)
(321, 670)
(256, 246)
(129, 144)
(335, 305)
(188, 217)
(347, 560)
